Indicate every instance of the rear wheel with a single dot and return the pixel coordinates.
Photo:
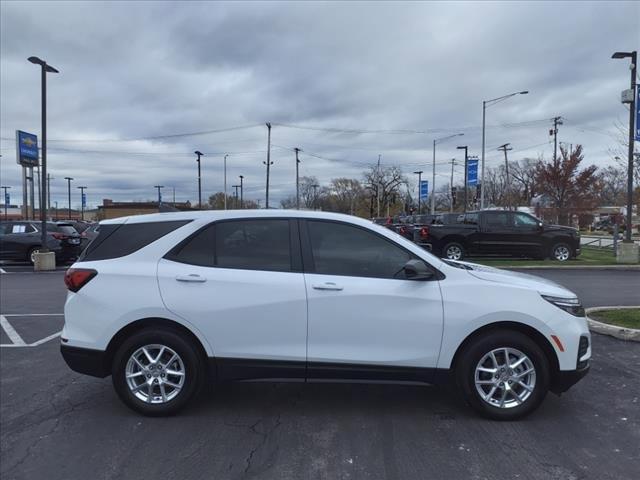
(453, 251)
(503, 375)
(31, 256)
(156, 372)
(561, 252)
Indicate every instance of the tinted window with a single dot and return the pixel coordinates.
(340, 249)
(118, 240)
(471, 218)
(67, 230)
(498, 219)
(253, 244)
(197, 250)
(522, 219)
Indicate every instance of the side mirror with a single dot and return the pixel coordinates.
(417, 270)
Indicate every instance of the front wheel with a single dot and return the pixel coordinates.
(561, 252)
(156, 372)
(453, 251)
(503, 375)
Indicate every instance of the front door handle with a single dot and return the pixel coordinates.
(192, 277)
(327, 286)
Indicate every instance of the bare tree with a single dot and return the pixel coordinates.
(523, 179)
(384, 185)
(614, 185)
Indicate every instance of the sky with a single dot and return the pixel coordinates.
(144, 84)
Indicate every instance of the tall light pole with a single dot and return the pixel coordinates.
(6, 198)
(159, 187)
(225, 180)
(241, 191)
(632, 111)
(44, 69)
(451, 187)
(433, 169)
(297, 150)
(200, 154)
(419, 173)
(49, 178)
(466, 162)
(485, 104)
(268, 163)
(82, 189)
(68, 179)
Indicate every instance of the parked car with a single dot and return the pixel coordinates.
(89, 233)
(21, 240)
(166, 302)
(502, 233)
(448, 218)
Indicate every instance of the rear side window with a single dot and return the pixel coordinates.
(196, 250)
(67, 229)
(119, 240)
(497, 219)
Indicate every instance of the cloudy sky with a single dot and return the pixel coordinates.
(144, 84)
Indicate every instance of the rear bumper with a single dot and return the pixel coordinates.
(86, 360)
(565, 379)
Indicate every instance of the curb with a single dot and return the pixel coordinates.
(629, 334)
(572, 267)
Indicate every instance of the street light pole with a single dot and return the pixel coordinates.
(268, 163)
(82, 189)
(68, 179)
(225, 181)
(419, 173)
(44, 69)
(241, 192)
(297, 150)
(235, 196)
(632, 111)
(466, 162)
(433, 169)
(5, 202)
(200, 154)
(485, 104)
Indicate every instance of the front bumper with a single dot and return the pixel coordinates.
(86, 360)
(566, 379)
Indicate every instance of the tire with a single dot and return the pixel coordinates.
(478, 354)
(32, 251)
(561, 252)
(453, 251)
(159, 375)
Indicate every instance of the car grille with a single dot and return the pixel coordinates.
(583, 346)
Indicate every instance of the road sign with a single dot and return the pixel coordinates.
(472, 172)
(84, 200)
(424, 189)
(26, 149)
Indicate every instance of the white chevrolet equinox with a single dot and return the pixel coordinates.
(166, 302)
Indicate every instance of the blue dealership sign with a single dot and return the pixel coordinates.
(7, 198)
(84, 200)
(472, 172)
(424, 189)
(27, 149)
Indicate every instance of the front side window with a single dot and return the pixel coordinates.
(524, 220)
(341, 249)
(253, 244)
(498, 219)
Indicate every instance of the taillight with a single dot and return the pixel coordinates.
(58, 236)
(403, 230)
(76, 278)
(83, 234)
(424, 232)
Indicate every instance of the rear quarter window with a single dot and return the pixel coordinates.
(119, 240)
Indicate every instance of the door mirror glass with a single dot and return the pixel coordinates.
(417, 270)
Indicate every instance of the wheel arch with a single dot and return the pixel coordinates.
(527, 330)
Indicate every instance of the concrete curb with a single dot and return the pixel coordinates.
(629, 334)
(572, 267)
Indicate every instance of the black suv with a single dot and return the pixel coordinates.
(20, 240)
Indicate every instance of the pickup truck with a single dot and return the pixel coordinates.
(501, 233)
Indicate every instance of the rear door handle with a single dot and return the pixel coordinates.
(192, 277)
(327, 286)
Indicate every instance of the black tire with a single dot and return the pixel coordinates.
(473, 353)
(561, 252)
(452, 250)
(193, 370)
(30, 254)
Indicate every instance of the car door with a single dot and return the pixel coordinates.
(497, 236)
(527, 234)
(7, 248)
(365, 318)
(240, 283)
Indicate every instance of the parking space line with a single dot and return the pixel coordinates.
(11, 333)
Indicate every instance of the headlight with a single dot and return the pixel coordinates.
(570, 305)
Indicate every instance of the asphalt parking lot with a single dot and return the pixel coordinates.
(56, 424)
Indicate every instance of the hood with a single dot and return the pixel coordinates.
(511, 278)
(560, 228)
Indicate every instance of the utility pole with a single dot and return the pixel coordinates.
(419, 173)
(68, 179)
(159, 194)
(505, 148)
(315, 195)
(268, 163)
(466, 163)
(235, 196)
(297, 150)
(554, 131)
(56, 218)
(225, 181)
(379, 185)
(241, 191)
(453, 162)
(200, 154)
(49, 178)
(174, 196)
(82, 189)
(6, 197)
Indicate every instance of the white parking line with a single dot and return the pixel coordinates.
(11, 333)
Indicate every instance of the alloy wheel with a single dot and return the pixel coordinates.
(454, 252)
(561, 253)
(155, 374)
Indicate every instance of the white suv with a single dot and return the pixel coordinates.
(168, 301)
